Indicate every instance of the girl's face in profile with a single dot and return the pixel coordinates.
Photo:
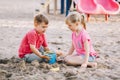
(73, 26)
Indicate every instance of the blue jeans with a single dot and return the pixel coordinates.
(91, 58)
(31, 57)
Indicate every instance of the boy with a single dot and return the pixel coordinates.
(34, 42)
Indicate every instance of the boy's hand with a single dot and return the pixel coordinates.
(48, 51)
(46, 57)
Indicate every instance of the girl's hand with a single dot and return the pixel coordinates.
(84, 65)
(60, 58)
(59, 53)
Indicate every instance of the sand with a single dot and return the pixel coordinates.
(16, 20)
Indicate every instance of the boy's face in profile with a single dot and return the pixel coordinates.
(41, 28)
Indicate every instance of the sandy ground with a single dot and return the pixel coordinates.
(16, 18)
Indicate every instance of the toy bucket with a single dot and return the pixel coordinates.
(52, 57)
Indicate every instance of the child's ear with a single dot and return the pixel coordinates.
(35, 23)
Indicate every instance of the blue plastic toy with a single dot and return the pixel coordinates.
(52, 56)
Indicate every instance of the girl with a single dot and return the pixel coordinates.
(81, 42)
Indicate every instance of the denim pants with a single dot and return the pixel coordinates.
(31, 57)
(90, 59)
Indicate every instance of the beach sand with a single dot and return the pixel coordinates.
(16, 18)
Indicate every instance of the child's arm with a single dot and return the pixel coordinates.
(71, 50)
(63, 54)
(58, 52)
(46, 49)
(34, 50)
(62, 57)
(87, 49)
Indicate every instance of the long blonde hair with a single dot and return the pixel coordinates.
(74, 17)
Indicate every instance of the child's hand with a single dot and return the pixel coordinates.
(84, 65)
(48, 51)
(83, 68)
(60, 53)
(60, 58)
(46, 57)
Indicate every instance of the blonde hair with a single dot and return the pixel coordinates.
(74, 17)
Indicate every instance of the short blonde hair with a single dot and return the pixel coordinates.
(74, 17)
